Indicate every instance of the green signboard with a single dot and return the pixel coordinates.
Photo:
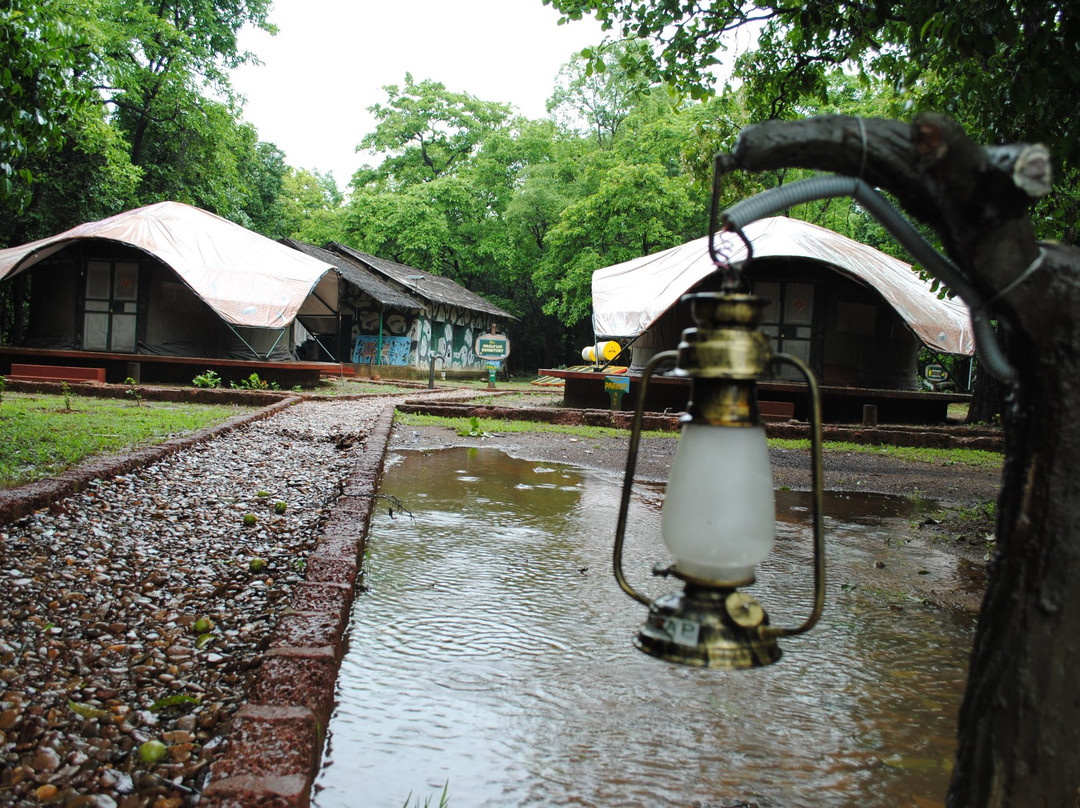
(616, 387)
(492, 347)
(616, 384)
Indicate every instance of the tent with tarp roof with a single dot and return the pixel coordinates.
(167, 279)
(855, 314)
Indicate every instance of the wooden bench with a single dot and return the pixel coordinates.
(54, 373)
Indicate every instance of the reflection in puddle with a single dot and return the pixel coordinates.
(492, 652)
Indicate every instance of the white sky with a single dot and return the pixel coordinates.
(331, 59)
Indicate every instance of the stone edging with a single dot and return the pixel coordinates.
(274, 745)
(16, 503)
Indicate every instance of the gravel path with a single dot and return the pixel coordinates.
(135, 611)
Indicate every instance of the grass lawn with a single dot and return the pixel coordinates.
(41, 435)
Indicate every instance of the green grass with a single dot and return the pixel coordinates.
(519, 384)
(946, 457)
(496, 425)
(909, 454)
(40, 436)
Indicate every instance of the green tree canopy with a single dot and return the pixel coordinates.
(427, 131)
(38, 91)
(597, 96)
(1006, 70)
(112, 104)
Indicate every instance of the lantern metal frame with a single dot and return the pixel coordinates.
(713, 623)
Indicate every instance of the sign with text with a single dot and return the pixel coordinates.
(492, 347)
(935, 373)
(616, 384)
(616, 387)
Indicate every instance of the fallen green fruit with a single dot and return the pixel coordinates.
(257, 564)
(279, 507)
(202, 625)
(87, 710)
(249, 519)
(150, 752)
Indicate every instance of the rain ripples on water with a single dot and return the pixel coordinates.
(491, 655)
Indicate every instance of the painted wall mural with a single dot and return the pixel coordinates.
(446, 334)
(395, 350)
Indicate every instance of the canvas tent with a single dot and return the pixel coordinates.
(630, 297)
(253, 284)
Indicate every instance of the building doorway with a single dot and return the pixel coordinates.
(111, 306)
(788, 321)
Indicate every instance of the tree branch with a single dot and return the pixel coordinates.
(969, 195)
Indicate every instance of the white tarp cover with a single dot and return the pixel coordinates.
(248, 279)
(629, 297)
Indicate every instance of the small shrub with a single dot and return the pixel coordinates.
(65, 391)
(253, 382)
(209, 380)
(133, 392)
(473, 430)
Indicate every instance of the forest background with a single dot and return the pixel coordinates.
(107, 105)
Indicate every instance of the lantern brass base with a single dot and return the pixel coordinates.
(708, 627)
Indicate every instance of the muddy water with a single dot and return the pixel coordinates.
(491, 656)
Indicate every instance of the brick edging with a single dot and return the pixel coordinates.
(16, 503)
(273, 748)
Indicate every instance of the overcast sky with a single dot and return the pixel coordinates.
(331, 59)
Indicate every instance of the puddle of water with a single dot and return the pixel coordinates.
(492, 655)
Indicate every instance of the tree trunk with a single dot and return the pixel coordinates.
(987, 399)
(1019, 728)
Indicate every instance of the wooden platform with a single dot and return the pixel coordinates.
(114, 368)
(777, 400)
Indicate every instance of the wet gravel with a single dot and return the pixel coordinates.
(132, 614)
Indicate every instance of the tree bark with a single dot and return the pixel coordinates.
(1019, 727)
(988, 399)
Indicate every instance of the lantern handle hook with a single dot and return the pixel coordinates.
(628, 477)
(817, 487)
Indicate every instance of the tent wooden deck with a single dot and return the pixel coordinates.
(149, 368)
(585, 389)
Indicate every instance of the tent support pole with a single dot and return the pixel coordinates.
(328, 351)
(620, 353)
(329, 308)
(248, 345)
(272, 347)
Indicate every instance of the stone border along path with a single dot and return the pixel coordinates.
(275, 743)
